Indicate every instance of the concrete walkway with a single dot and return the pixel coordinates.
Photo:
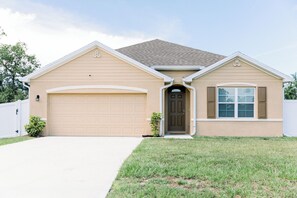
(179, 136)
(60, 167)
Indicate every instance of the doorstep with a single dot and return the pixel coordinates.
(178, 136)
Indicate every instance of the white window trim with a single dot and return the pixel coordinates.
(236, 84)
(235, 104)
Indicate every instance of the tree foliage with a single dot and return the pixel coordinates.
(291, 89)
(14, 63)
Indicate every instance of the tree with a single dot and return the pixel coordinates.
(291, 89)
(14, 63)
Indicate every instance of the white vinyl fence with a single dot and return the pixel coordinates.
(13, 117)
(290, 118)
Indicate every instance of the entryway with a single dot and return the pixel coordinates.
(177, 115)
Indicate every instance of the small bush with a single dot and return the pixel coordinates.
(155, 123)
(35, 126)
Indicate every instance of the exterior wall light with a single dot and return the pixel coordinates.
(37, 98)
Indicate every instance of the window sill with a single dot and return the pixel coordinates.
(238, 120)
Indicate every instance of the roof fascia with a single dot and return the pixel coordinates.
(177, 67)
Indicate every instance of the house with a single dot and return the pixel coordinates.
(99, 91)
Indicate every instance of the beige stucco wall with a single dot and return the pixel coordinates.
(108, 70)
(246, 73)
(105, 70)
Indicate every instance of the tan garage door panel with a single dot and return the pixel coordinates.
(97, 114)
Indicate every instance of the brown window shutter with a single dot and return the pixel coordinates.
(262, 102)
(211, 102)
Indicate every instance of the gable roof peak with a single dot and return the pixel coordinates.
(87, 48)
(241, 55)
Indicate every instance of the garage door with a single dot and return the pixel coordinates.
(97, 114)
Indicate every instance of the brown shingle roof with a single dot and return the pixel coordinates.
(158, 52)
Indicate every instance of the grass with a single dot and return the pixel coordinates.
(210, 167)
(4, 141)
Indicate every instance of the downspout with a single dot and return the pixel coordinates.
(284, 132)
(161, 107)
(28, 87)
(193, 132)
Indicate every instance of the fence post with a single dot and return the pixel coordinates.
(18, 112)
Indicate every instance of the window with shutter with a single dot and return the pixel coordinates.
(236, 102)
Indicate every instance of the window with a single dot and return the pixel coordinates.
(175, 90)
(226, 102)
(236, 102)
(245, 102)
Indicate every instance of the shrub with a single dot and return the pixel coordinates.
(35, 126)
(155, 122)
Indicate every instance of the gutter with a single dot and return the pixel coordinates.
(161, 107)
(24, 82)
(193, 132)
(27, 86)
(177, 67)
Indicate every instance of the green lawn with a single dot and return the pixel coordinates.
(4, 141)
(210, 167)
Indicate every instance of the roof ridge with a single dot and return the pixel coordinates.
(160, 52)
(137, 44)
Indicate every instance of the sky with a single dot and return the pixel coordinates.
(262, 29)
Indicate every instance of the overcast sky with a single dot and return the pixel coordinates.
(263, 29)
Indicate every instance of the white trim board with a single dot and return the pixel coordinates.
(257, 64)
(177, 67)
(58, 89)
(86, 49)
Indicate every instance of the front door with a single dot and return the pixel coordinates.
(176, 109)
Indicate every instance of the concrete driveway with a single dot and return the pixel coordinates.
(62, 166)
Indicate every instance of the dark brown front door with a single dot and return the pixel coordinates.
(176, 110)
